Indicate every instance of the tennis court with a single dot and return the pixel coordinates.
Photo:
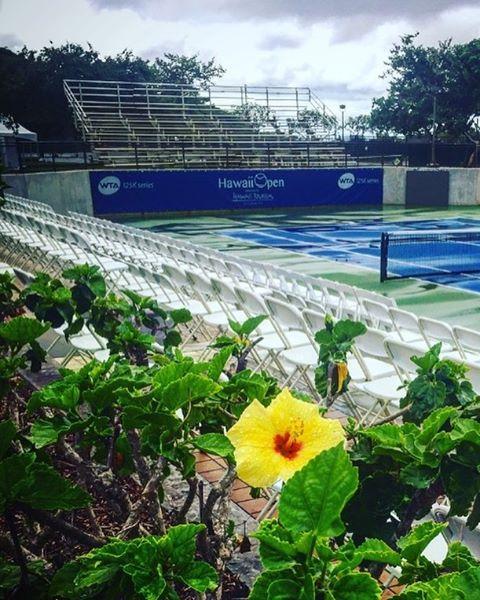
(442, 251)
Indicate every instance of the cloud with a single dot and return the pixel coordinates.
(307, 11)
(10, 40)
(277, 41)
(158, 50)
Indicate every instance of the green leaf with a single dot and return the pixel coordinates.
(44, 433)
(378, 551)
(284, 589)
(355, 586)
(433, 423)
(187, 389)
(13, 470)
(8, 431)
(454, 586)
(180, 315)
(459, 558)
(180, 543)
(22, 330)
(418, 476)
(200, 576)
(218, 362)
(45, 488)
(214, 443)
(59, 394)
(263, 582)
(250, 325)
(313, 499)
(277, 550)
(346, 329)
(414, 543)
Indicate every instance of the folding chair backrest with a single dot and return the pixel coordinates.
(468, 339)
(251, 302)
(314, 319)
(224, 290)
(285, 314)
(435, 331)
(401, 354)
(378, 314)
(176, 276)
(474, 375)
(371, 343)
(404, 320)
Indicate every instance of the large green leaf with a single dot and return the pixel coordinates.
(313, 499)
(414, 543)
(277, 549)
(454, 586)
(180, 543)
(45, 488)
(249, 326)
(459, 558)
(378, 551)
(200, 576)
(22, 330)
(260, 588)
(187, 389)
(214, 443)
(64, 395)
(346, 329)
(43, 432)
(355, 586)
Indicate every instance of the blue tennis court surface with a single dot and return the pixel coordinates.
(358, 243)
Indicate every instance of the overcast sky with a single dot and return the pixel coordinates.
(337, 47)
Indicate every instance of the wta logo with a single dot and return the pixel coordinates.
(109, 185)
(346, 181)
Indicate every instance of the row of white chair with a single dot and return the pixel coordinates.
(287, 346)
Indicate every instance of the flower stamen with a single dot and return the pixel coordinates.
(287, 445)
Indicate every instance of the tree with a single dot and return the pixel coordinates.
(32, 81)
(417, 74)
(359, 125)
(311, 124)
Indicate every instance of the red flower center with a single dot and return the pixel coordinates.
(287, 446)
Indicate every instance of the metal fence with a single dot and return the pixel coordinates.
(19, 155)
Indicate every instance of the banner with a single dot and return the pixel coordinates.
(229, 189)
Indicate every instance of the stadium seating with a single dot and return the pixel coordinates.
(169, 126)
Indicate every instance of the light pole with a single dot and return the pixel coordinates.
(342, 108)
(434, 131)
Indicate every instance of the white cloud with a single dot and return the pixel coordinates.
(337, 47)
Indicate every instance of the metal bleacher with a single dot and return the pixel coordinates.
(181, 126)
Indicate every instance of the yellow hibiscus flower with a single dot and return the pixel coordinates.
(272, 443)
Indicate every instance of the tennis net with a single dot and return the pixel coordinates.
(429, 253)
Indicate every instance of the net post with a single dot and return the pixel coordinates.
(383, 257)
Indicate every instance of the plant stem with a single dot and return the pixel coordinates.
(60, 525)
(192, 490)
(19, 556)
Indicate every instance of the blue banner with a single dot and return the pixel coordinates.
(229, 189)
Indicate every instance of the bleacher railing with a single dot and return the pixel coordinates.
(78, 154)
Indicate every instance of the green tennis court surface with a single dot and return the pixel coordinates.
(343, 246)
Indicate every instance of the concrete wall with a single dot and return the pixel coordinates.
(62, 190)
(70, 190)
(394, 185)
(464, 187)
